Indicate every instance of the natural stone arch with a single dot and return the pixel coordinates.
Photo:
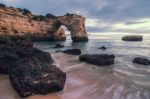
(67, 32)
(15, 24)
(76, 25)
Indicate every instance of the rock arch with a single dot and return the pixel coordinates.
(76, 25)
(13, 23)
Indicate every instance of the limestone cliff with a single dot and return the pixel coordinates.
(16, 22)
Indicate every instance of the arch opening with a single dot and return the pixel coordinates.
(67, 32)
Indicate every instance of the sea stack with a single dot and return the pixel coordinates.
(20, 23)
(133, 38)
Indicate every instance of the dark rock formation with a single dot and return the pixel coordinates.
(29, 76)
(98, 59)
(9, 53)
(59, 46)
(132, 38)
(141, 60)
(17, 23)
(31, 71)
(103, 48)
(72, 51)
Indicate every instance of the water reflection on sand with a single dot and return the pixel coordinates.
(86, 81)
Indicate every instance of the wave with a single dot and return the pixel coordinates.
(85, 81)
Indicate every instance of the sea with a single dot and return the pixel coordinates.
(123, 80)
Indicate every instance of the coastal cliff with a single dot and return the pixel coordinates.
(18, 23)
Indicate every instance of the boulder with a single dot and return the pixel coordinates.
(44, 57)
(4, 39)
(72, 51)
(59, 46)
(98, 59)
(132, 38)
(103, 48)
(13, 51)
(7, 58)
(80, 39)
(30, 76)
(141, 60)
(31, 71)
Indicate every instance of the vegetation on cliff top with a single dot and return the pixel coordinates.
(29, 13)
(44, 18)
(25, 11)
(2, 5)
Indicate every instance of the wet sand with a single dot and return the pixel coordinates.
(85, 81)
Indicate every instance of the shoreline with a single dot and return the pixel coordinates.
(84, 81)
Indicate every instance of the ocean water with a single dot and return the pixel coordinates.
(123, 80)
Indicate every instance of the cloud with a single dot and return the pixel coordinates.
(132, 23)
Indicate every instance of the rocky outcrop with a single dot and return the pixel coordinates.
(103, 48)
(30, 76)
(76, 25)
(72, 51)
(16, 23)
(58, 46)
(12, 51)
(31, 71)
(141, 60)
(98, 59)
(132, 38)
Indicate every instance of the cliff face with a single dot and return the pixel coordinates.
(16, 23)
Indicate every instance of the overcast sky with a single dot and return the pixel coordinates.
(121, 16)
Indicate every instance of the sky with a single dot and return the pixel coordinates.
(102, 16)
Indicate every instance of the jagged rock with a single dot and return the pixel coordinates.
(98, 59)
(132, 38)
(7, 58)
(141, 60)
(18, 23)
(29, 76)
(103, 48)
(59, 46)
(31, 71)
(72, 51)
(11, 52)
(4, 40)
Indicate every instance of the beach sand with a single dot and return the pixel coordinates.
(84, 81)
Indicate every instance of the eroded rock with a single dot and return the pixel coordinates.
(132, 38)
(18, 23)
(31, 71)
(29, 76)
(141, 60)
(59, 46)
(103, 48)
(72, 51)
(98, 59)
(11, 52)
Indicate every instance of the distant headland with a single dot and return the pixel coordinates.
(19, 23)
